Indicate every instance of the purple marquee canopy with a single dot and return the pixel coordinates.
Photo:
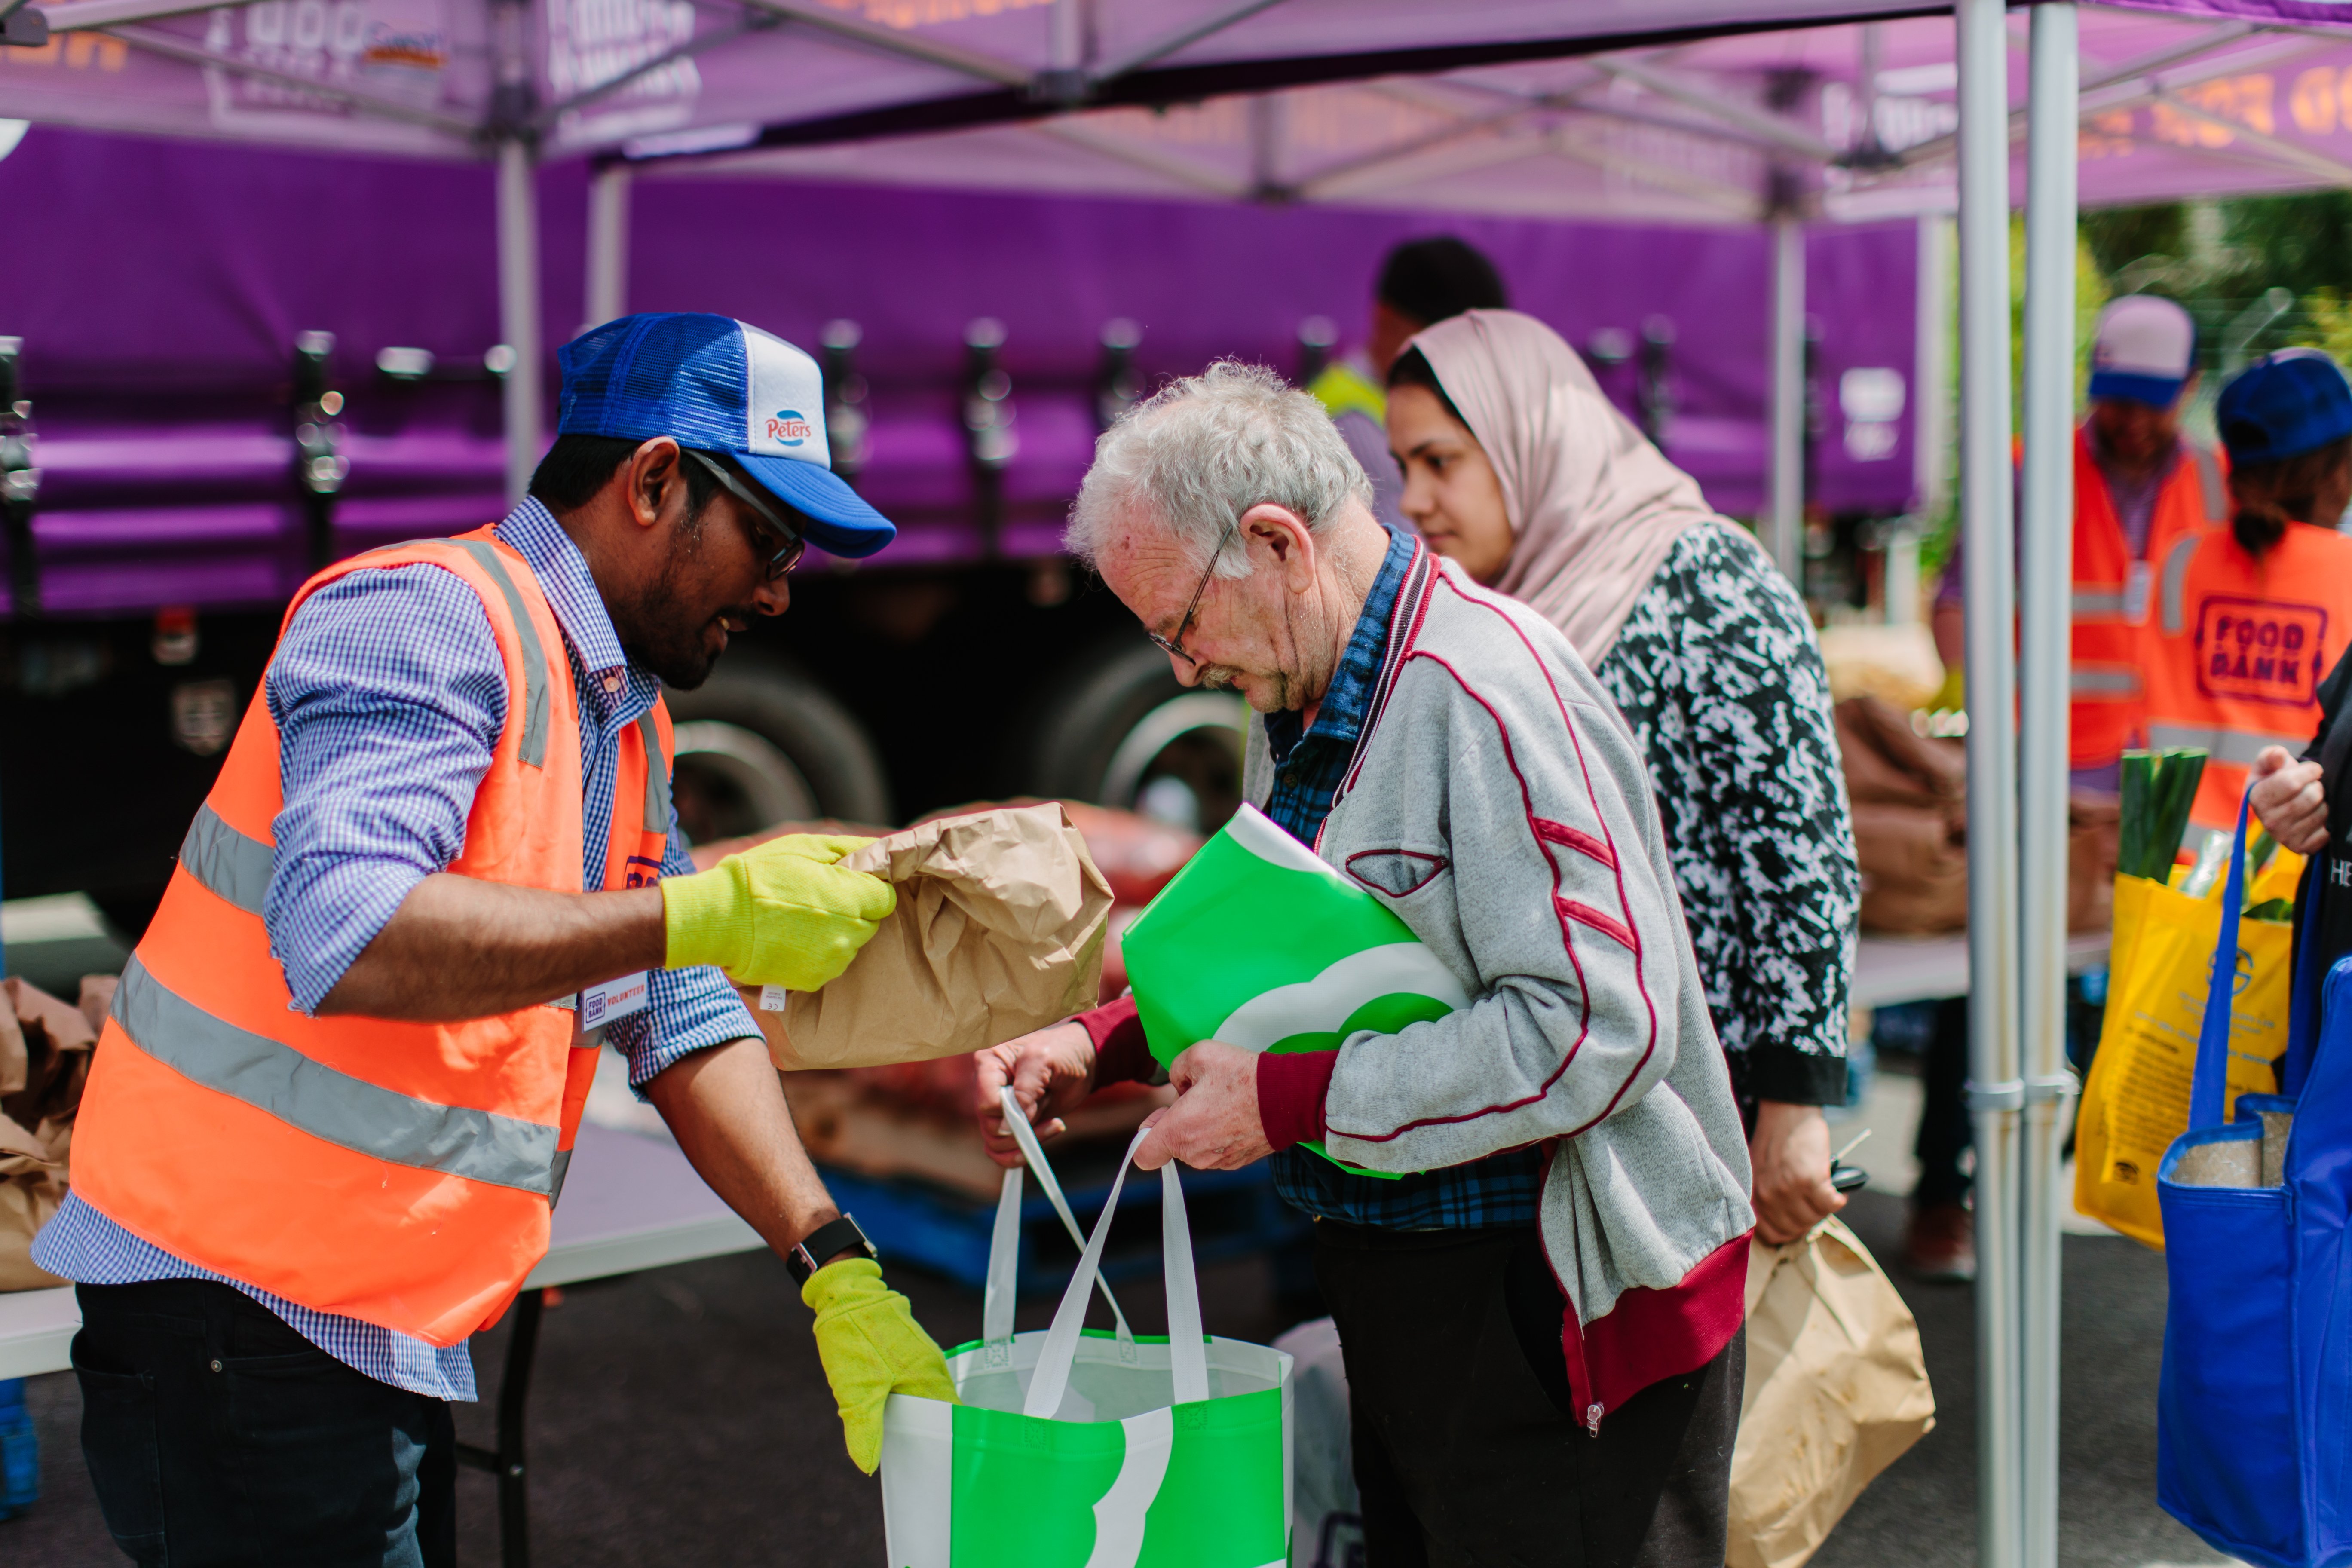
(1704, 111)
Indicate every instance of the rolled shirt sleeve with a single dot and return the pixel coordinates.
(389, 694)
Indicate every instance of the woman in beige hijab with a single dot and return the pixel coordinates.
(1518, 468)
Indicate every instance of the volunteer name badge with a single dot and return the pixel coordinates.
(615, 1000)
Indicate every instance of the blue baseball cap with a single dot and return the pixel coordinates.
(2282, 406)
(721, 385)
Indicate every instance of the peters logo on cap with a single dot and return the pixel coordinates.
(2145, 350)
(721, 385)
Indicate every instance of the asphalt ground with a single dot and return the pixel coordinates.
(679, 1417)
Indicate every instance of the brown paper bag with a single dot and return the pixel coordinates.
(1000, 928)
(1837, 1390)
(45, 1049)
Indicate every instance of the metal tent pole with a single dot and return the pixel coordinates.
(1931, 417)
(1995, 1093)
(2045, 590)
(519, 312)
(1785, 530)
(608, 245)
(512, 102)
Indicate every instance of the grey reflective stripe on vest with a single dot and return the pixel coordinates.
(534, 657)
(332, 1106)
(2102, 680)
(2097, 602)
(231, 865)
(2208, 481)
(657, 775)
(2238, 748)
(556, 1172)
(2173, 585)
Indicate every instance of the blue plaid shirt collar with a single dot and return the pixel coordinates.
(618, 691)
(1349, 698)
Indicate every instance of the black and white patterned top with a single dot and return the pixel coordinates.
(1720, 677)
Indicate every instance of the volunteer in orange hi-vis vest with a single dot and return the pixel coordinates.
(332, 1111)
(2140, 488)
(2264, 608)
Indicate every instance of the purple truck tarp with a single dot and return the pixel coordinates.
(160, 295)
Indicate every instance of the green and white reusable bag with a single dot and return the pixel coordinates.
(1076, 1449)
(1257, 943)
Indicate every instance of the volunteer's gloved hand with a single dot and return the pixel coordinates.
(778, 913)
(872, 1348)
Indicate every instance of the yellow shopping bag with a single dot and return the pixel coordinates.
(2137, 1102)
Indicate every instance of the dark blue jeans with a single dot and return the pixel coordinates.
(215, 1435)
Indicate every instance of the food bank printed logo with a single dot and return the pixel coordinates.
(790, 427)
(2258, 650)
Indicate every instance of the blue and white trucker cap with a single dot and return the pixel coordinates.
(721, 385)
(2145, 349)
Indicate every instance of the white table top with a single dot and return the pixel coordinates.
(1892, 969)
(629, 1203)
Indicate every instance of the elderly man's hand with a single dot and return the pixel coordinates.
(1791, 1153)
(1051, 1071)
(2291, 800)
(1214, 1124)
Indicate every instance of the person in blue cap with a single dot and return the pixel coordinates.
(2252, 616)
(2288, 423)
(342, 1082)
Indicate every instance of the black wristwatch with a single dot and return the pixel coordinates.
(820, 1243)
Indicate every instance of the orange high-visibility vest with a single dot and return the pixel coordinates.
(2114, 605)
(2244, 645)
(400, 1174)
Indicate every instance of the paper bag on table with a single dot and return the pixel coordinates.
(45, 1049)
(1000, 928)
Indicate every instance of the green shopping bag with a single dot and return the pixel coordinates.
(1077, 1448)
(1257, 943)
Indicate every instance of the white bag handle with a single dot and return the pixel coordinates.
(1004, 1243)
(1188, 1355)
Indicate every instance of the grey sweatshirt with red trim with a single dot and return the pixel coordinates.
(1499, 805)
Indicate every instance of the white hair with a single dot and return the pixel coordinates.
(1204, 450)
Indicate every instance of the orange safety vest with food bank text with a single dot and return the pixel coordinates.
(2243, 648)
(400, 1174)
(2116, 597)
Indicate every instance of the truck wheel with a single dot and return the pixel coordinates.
(1121, 732)
(759, 742)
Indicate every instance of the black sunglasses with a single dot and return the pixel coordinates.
(785, 557)
(1174, 643)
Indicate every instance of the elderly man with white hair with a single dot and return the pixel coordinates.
(1539, 1292)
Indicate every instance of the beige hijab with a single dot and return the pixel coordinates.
(1594, 508)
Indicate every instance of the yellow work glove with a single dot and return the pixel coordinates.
(872, 1348)
(780, 913)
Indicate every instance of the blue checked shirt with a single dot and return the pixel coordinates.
(389, 695)
(1499, 1190)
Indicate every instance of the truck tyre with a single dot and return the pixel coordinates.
(760, 742)
(1119, 730)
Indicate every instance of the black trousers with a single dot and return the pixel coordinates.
(1468, 1450)
(218, 1435)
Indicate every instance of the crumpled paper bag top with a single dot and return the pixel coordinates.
(44, 1055)
(998, 931)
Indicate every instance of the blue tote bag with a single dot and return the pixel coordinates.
(2254, 1411)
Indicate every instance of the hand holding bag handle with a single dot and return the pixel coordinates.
(1188, 1356)
(1004, 1241)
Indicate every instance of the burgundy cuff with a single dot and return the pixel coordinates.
(1290, 1091)
(1121, 1055)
